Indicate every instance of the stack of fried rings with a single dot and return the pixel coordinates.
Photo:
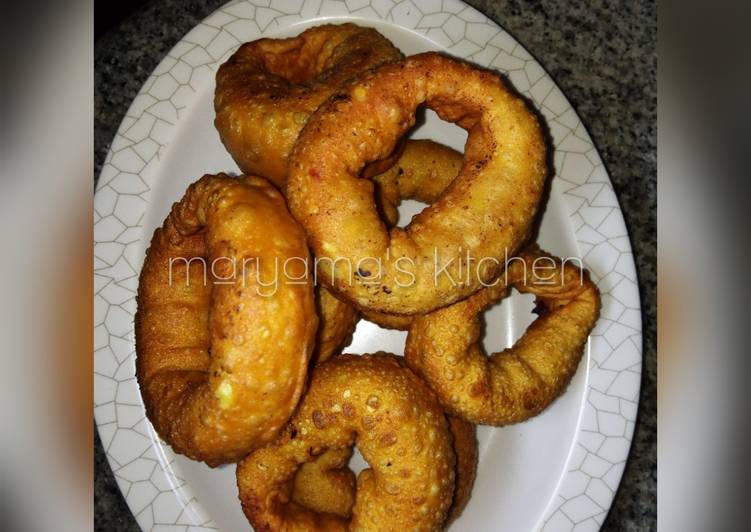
(222, 365)
(485, 213)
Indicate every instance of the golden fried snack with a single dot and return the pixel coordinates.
(467, 454)
(485, 213)
(267, 90)
(517, 383)
(399, 322)
(424, 170)
(337, 322)
(375, 402)
(327, 485)
(222, 355)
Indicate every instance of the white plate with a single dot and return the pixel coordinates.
(558, 471)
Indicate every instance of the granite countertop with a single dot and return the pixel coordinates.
(605, 61)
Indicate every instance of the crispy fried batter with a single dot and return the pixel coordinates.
(375, 402)
(337, 322)
(267, 90)
(422, 173)
(517, 383)
(467, 455)
(487, 211)
(221, 359)
(326, 485)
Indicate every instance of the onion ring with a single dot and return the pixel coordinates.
(486, 212)
(517, 383)
(373, 401)
(221, 361)
(268, 88)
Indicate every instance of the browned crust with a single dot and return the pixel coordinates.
(515, 384)
(375, 402)
(487, 211)
(221, 366)
(266, 91)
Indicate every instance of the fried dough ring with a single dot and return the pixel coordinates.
(515, 384)
(337, 322)
(221, 360)
(327, 485)
(267, 90)
(375, 402)
(422, 172)
(486, 212)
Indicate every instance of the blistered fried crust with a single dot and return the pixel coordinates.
(517, 383)
(222, 355)
(374, 402)
(422, 173)
(467, 455)
(267, 90)
(486, 212)
(338, 320)
(326, 485)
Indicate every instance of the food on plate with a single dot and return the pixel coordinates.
(222, 354)
(399, 322)
(268, 89)
(337, 322)
(515, 384)
(467, 455)
(422, 172)
(376, 403)
(327, 485)
(485, 213)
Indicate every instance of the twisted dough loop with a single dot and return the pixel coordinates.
(485, 212)
(267, 90)
(424, 170)
(220, 366)
(327, 485)
(517, 383)
(375, 402)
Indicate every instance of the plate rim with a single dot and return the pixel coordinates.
(117, 227)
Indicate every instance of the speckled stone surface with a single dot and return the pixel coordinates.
(604, 59)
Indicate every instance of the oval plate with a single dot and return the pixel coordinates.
(556, 472)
